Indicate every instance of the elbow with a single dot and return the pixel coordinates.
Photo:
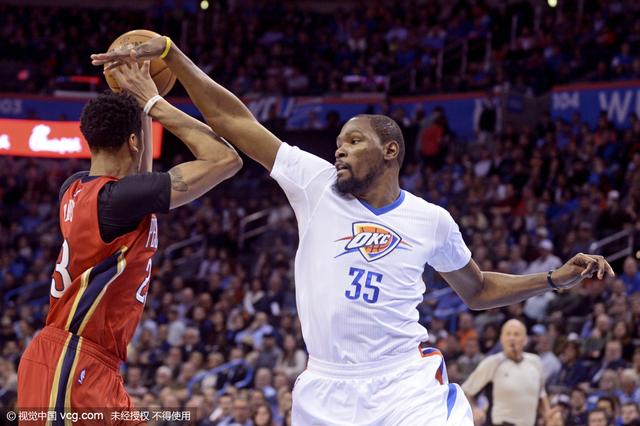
(474, 303)
(233, 164)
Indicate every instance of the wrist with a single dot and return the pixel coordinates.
(167, 47)
(552, 283)
(150, 103)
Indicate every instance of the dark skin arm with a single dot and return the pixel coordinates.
(215, 159)
(221, 109)
(485, 290)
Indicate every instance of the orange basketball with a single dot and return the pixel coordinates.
(160, 72)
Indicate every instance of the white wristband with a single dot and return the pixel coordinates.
(150, 103)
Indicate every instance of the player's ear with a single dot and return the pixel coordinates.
(390, 150)
(133, 143)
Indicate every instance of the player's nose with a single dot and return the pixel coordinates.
(340, 152)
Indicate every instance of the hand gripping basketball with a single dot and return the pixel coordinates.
(138, 46)
(136, 80)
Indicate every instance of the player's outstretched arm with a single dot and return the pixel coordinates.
(222, 110)
(215, 160)
(485, 290)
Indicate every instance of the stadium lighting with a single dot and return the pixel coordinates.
(552, 3)
(204, 5)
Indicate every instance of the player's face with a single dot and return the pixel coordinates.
(359, 157)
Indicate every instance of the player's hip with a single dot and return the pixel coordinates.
(415, 387)
(52, 342)
(60, 371)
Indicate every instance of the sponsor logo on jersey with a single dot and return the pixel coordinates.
(83, 373)
(372, 240)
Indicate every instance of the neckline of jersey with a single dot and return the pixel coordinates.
(384, 209)
(88, 178)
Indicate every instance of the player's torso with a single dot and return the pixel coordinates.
(98, 289)
(359, 278)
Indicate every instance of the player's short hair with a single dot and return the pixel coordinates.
(107, 120)
(387, 130)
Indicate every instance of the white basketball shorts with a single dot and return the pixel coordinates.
(411, 390)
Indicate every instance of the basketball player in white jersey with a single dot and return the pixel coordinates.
(363, 245)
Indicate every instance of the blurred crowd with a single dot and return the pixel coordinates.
(220, 333)
(284, 47)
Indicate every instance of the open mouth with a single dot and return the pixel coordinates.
(341, 166)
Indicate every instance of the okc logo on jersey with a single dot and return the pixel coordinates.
(372, 240)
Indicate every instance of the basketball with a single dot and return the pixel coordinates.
(160, 72)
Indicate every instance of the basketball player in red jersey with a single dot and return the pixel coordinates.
(110, 232)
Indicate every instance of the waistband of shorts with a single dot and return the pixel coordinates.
(86, 346)
(363, 369)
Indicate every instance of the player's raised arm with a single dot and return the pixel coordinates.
(222, 110)
(215, 159)
(146, 160)
(485, 290)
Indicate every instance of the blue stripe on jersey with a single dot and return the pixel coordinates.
(99, 277)
(451, 398)
(384, 209)
(67, 364)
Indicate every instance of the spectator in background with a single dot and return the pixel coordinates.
(270, 353)
(241, 415)
(8, 383)
(223, 414)
(551, 365)
(630, 275)
(578, 412)
(598, 417)
(134, 385)
(263, 416)
(629, 391)
(535, 308)
(292, 360)
(613, 217)
(612, 360)
(487, 118)
(629, 414)
(432, 138)
(466, 328)
(470, 358)
(610, 406)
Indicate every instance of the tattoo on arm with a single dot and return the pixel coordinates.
(177, 181)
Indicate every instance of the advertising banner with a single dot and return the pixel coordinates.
(302, 112)
(53, 139)
(618, 100)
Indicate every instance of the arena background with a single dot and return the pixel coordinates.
(520, 117)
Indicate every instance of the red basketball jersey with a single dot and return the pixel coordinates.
(99, 289)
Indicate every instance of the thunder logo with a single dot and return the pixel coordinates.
(372, 240)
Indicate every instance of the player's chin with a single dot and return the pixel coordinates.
(344, 184)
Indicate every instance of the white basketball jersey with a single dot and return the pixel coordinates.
(358, 269)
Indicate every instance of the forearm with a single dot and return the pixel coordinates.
(197, 136)
(486, 290)
(216, 103)
(503, 289)
(147, 155)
